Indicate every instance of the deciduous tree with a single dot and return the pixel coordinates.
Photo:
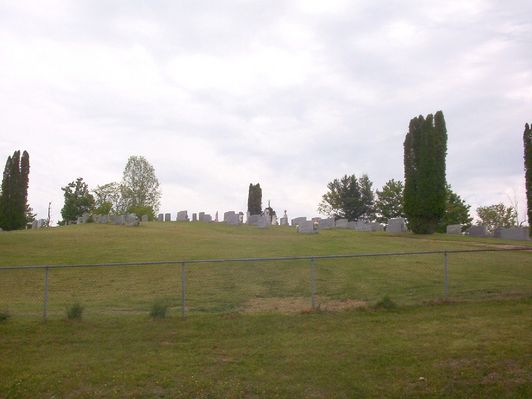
(498, 215)
(389, 203)
(140, 186)
(78, 200)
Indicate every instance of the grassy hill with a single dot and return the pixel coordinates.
(249, 331)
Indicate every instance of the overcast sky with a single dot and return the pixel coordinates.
(291, 94)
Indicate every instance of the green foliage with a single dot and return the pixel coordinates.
(254, 199)
(425, 149)
(495, 216)
(456, 212)
(108, 199)
(140, 186)
(386, 303)
(14, 208)
(527, 141)
(74, 311)
(389, 203)
(78, 200)
(349, 198)
(142, 210)
(159, 309)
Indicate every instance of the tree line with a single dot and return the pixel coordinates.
(138, 193)
(425, 198)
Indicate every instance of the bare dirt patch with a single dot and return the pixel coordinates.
(299, 304)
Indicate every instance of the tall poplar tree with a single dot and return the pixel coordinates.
(14, 196)
(425, 149)
(527, 141)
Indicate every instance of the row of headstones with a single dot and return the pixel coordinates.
(39, 223)
(397, 225)
(182, 216)
(129, 219)
(512, 233)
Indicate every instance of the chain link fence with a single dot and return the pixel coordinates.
(282, 284)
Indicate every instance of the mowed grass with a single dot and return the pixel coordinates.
(245, 286)
(249, 332)
(472, 350)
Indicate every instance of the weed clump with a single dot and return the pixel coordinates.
(158, 310)
(4, 315)
(386, 303)
(74, 311)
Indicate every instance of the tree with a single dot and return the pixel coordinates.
(348, 198)
(425, 148)
(14, 208)
(78, 200)
(389, 203)
(495, 216)
(456, 212)
(140, 186)
(108, 199)
(254, 199)
(527, 141)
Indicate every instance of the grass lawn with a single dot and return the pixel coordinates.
(249, 333)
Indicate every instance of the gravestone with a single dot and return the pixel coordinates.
(231, 218)
(361, 225)
(201, 215)
(325, 224)
(341, 223)
(283, 221)
(515, 233)
(132, 219)
(307, 227)
(253, 219)
(104, 219)
(167, 217)
(206, 218)
(96, 218)
(478, 231)
(160, 217)
(194, 217)
(454, 229)
(119, 219)
(316, 220)
(396, 225)
(263, 222)
(34, 224)
(182, 216)
(298, 221)
(144, 218)
(376, 227)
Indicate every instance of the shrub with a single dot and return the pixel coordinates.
(386, 303)
(158, 310)
(74, 311)
(4, 315)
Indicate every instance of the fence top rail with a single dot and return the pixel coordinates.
(279, 258)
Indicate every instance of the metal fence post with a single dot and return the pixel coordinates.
(313, 283)
(183, 289)
(45, 304)
(446, 275)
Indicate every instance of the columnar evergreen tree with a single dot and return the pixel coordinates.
(254, 199)
(14, 206)
(425, 149)
(527, 141)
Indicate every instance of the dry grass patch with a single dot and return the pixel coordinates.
(287, 305)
